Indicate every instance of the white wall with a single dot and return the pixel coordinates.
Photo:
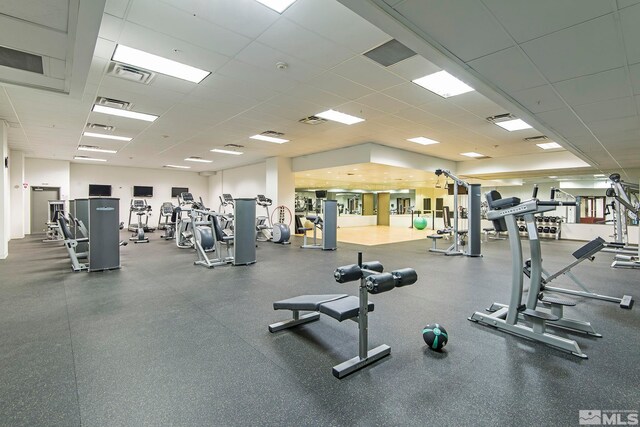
(46, 173)
(4, 192)
(122, 180)
(245, 181)
(19, 194)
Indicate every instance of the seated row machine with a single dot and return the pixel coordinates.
(342, 307)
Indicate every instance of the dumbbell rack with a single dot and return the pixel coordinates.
(549, 223)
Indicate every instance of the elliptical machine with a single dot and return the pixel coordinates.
(278, 232)
(141, 208)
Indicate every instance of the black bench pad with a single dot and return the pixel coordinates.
(305, 302)
(557, 301)
(343, 308)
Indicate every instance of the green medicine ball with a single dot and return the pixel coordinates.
(435, 336)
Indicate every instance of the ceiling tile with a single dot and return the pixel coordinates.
(508, 69)
(539, 99)
(245, 17)
(477, 37)
(526, 20)
(235, 85)
(476, 104)
(335, 22)
(366, 72)
(160, 44)
(610, 109)
(317, 96)
(584, 49)
(116, 7)
(266, 58)
(413, 68)
(181, 25)
(412, 94)
(110, 27)
(383, 103)
(296, 41)
(339, 85)
(597, 87)
(564, 122)
(245, 72)
(626, 3)
(629, 19)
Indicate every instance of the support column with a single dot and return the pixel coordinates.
(4, 191)
(280, 182)
(18, 194)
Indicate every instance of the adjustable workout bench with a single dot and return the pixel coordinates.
(342, 307)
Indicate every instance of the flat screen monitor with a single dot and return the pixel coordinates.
(142, 191)
(96, 190)
(321, 194)
(176, 191)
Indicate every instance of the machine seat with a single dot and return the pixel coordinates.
(343, 308)
(305, 302)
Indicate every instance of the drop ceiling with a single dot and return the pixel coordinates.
(572, 67)
(322, 44)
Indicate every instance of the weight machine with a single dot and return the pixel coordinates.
(473, 215)
(626, 207)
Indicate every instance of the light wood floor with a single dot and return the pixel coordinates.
(376, 235)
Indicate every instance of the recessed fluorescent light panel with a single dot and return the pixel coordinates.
(177, 166)
(92, 159)
(277, 5)
(96, 149)
(197, 159)
(124, 113)
(139, 58)
(512, 125)
(443, 84)
(472, 154)
(423, 141)
(337, 116)
(269, 139)
(235, 153)
(549, 145)
(599, 175)
(553, 177)
(102, 135)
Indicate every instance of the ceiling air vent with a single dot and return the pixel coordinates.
(100, 126)
(501, 117)
(113, 103)
(389, 53)
(538, 138)
(21, 60)
(130, 73)
(313, 120)
(272, 133)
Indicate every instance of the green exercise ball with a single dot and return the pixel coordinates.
(420, 223)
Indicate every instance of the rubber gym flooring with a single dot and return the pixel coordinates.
(163, 342)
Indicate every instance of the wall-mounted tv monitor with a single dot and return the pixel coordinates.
(175, 191)
(142, 191)
(321, 194)
(96, 190)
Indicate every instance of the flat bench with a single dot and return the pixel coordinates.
(339, 306)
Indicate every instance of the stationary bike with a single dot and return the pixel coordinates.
(141, 208)
(278, 232)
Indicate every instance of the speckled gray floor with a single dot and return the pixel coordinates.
(163, 342)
